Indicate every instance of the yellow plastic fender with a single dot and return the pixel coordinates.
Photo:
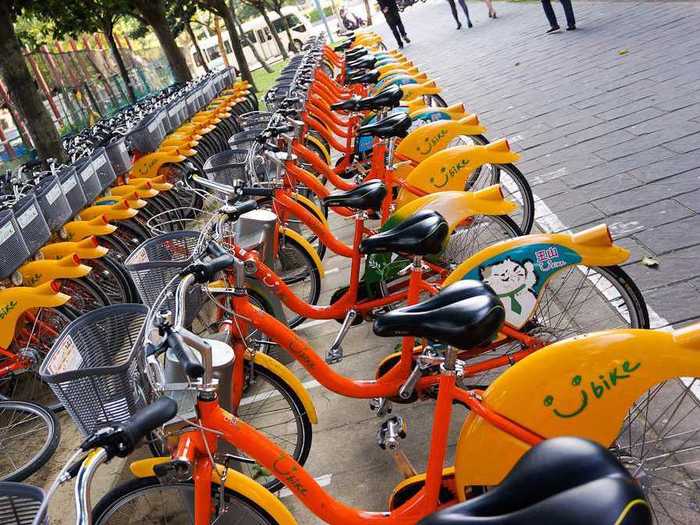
(157, 183)
(142, 191)
(115, 212)
(312, 206)
(581, 387)
(306, 247)
(148, 165)
(274, 366)
(450, 168)
(17, 300)
(310, 137)
(79, 230)
(428, 87)
(403, 69)
(456, 206)
(235, 481)
(38, 272)
(86, 249)
(430, 138)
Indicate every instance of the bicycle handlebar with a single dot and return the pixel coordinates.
(193, 368)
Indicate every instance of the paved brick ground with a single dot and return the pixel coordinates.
(607, 119)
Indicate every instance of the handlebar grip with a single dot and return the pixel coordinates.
(215, 250)
(257, 192)
(193, 368)
(245, 207)
(149, 418)
(219, 263)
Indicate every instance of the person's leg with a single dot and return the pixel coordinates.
(453, 8)
(549, 13)
(466, 12)
(569, 12)
(395, 30)
(399, 24)
(492, 11)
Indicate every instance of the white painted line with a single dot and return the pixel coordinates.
(324, 481)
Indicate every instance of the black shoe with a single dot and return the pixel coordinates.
(408, 40)
(571, 28)
(400, 46)
(470, 25)
(459, 25)
(554, 29)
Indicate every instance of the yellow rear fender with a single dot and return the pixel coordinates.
(306, 246)
(38, 272)
(325, 154)
(86, 249)
(450, 168)
(584, 387)
(535, 259)
(79, 230)
(235, 481)
(411, 91)
(148, 165)
(394, 66)
(457, 206)
(311, 205)
(436, 136)
(142, 191)
(120, 211)
(274, 366)
(17, 300)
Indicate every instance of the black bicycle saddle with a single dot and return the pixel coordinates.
(464, 315)
(367, 77)
(562, 481)
(363, 62)
(396, 125)
(365, 196)
(422, 233)
(387, 98)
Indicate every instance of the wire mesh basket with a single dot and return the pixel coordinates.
(72, 189)
(20, 503)
(96, 366)
(103, 168)
(243, 139)
(193, 104)
(13, 249)
(147, 136)
(175, 112)
(53, 202)
(118, 155)
(227, 166)
(30, 219)
(255, 118)
(156, 262)
(87, 177)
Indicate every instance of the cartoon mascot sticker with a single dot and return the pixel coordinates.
(514, 282)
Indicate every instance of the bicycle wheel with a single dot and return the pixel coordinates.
(110, 277)
(84, 295)
(29, 434)
(576, 300)
(514, 186)
(298, 271)
(475, 234)
(660, 446)
(147, 500)
(34, 337)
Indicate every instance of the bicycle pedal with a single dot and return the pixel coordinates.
(334, 354)
(380, 405)
(391, 432)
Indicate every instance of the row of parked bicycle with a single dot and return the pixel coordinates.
(490, 317)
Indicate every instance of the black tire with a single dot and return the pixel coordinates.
(240, 508)
(27, 436)
(109, 275)
(295, 266)
(85, 295)
(516, 187)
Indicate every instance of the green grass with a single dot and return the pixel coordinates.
(264, 80)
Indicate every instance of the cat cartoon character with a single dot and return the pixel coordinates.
(513, 281)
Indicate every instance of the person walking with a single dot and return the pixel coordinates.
(393, 18)
(552, 18)
(453, 7)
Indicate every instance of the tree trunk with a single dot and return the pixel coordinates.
(23, 91)
(109, 33)
(369, 13)
(277, 38)
(154, 14)
(198, 49)
(103, 79)
(288, 30)
(245, 42)
(229, 18)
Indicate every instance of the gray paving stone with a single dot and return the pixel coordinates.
(656, 214)
(637, 249)
(690, 200)
(673, 268)
(675, 303)
(670, 237)
(668, 167)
